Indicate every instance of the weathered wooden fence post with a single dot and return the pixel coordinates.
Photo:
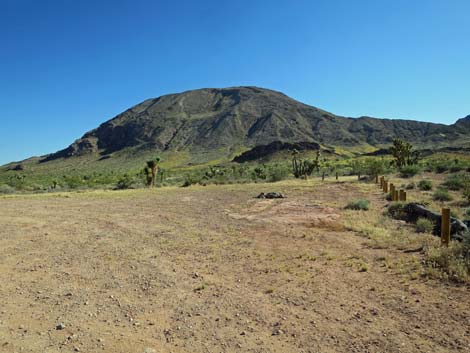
(445, 227)
(395, 195)
(376, 178)
(385, 186)
(323, 176)
(402, 195)
(336, 175)
(392, 191)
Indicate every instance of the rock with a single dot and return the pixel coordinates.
(60, 326)
(270, 195)
(413, 211)
(149, 350)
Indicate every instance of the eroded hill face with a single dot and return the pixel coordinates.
(242, 118)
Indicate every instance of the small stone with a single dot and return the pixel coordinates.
(76, 349)
(60, 326)
(149, 350)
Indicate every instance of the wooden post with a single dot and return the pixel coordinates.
(382, 179)
(323, 176)
(445, 227)
(392, 188)
(376, 178)
(385, 186)
(336, 175)
(402, 195)
(395, 195)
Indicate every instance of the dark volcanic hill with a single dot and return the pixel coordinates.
(242, 118)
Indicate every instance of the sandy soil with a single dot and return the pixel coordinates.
(211, 269)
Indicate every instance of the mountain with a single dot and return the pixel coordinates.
(238, 119)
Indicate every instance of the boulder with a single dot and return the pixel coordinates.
(413, 211)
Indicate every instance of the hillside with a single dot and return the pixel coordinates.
(216, 125)
(236, 119)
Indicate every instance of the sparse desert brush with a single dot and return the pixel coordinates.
(6, 189)
(358, 205)
(456, 181)
(442, 195)
(452, 262)
(396, 210)
(424, 225)
(409, 171)
(425, 185)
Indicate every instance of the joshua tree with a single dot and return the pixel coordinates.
(305, 168)
(151, 171)
(403, 153)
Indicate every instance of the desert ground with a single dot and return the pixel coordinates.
(214, 269)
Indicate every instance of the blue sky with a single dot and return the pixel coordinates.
(67, 66)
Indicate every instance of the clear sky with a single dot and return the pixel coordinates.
(68, 65)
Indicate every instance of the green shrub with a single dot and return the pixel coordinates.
(424, 225)
(409, 171)
(441, 195)
(453, 261)
(456, 181)
(425, 185)
(277, 173)
(442, 166)
(410, 186)
(6, 189)
(359, 205)
(125, 182)
(396, 210)
(466, 192)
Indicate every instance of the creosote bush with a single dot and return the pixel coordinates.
(425, 185)
(424, 225)
(359, 205)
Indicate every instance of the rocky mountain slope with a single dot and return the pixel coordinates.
(242, 118)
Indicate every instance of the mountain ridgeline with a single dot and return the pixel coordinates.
(244, 119)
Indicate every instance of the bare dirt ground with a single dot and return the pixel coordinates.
(211, 269)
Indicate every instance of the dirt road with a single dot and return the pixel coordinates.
(211, 269)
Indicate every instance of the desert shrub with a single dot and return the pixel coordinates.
(466, 192)
(410, 186)
(425, 185)
(374, 166)
(456, 168)
(467, 213)
(456, 181)
(6, 189)
(359, 205)
(259, 173)
(396, 210)
(125, 182)
(441, 166)
(190, 179)
(277, 172)
(441, 195)
(424, 225)
(453, 261)
(409, 171)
